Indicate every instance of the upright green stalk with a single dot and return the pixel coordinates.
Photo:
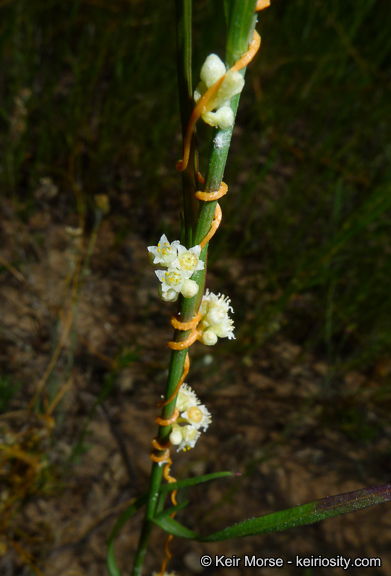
(197, 220)
(185, 90)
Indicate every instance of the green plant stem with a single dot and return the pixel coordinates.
(185, 89)
(242, 15)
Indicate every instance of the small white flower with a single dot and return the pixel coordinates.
(165, 252)
(172, 279)
(214, 318)
(220, 300)
(186, 398)
(185, 437)
(225, 329)
(190, 436)
(198, 417)
(215, 313)
(188, 260)
(176, 280)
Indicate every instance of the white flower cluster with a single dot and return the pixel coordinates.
(215, 322)
(212, 70)
(181, 263)
(193, 416)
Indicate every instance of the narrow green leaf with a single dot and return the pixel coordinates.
(172, 510)
(132, 509)
(112, 565)
(175, 528)
(194, 481)
(291, 518)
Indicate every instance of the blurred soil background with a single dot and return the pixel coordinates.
(301, 399)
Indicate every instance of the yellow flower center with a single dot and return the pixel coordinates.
(172, 278)
(188, 261)
(164, 251)
(194, 414)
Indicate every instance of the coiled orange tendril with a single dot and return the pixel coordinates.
(205, 104)
(210, 197)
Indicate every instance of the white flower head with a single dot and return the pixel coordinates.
(193, 417)
(212, 70)
(190, 436)
(188, 260)
(198, 417)
(165, 252)
(214, 318)
(176, 280)
(186, 398)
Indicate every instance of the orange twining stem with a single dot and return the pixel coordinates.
(249, 55)
(261, 4)
(185, 344)
(158, 446)
(215, 224)
(186, 369)
(204, 104)
(168, 553)
(167, 421)
(200, 178)
(210, 197)
(178, 325)
(170, 479)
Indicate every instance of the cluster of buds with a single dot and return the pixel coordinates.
(193, 417)
(180, 264)
(215, 322)
(212, 70)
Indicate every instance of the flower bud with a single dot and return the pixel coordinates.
(168, 296)
(189, 288)
(212, 70)
(209, 338)
(176, 436)
(223, 117)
